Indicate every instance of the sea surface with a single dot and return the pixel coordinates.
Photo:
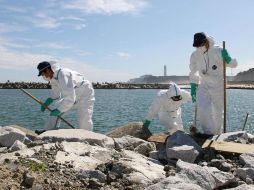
(117, 107)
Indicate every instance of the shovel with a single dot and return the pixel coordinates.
(193, 127)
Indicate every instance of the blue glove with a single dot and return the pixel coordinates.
(224, 54)
(55, 112)
(146, 123)
(47, 103)
(193, 91)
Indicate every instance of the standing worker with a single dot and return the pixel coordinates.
(206, 78)
(168, 106)
(69, 89)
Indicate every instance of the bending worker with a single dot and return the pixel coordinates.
(206, 78)
(69, 89)
(168, 106)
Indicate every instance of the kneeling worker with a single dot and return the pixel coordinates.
(168, 106)
(69, 89)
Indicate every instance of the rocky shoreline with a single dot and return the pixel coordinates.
(106, 85)
(121, 159)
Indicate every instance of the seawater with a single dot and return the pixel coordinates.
(117, 107)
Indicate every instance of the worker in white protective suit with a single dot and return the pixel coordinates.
(69, 90)
(168, 106)
(206, 78)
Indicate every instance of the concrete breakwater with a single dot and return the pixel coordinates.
(106, 85)
(123, 159)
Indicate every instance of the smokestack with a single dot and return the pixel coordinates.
(165, 70)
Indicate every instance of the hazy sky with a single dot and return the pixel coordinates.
(115, 40)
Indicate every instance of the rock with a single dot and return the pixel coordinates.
(226, 167)
(150, 168)
(196, 174)
(83, 156)
(77, 135)
(216, 163)
(24, 153)
(154, 155)
(28, 180)
(128, 142)
(93, 174)
(29, 133)
(145, 148)
(137, 178)
(8, 135)
(17, 145)
(134, 129)
(247, 160)
(174, 183)
(244, 173)
(221, 178)
(249, 181)
(243, 187)
(3, 149)
(180, 138)
(184, 152)
(94, 183)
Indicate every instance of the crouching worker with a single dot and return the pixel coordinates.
(168, 106)
(69, 90)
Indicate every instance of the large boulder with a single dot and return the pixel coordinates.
(134, 129)
(77, 135)
(205, 177)
(243, 187)
(151, 169)
(184, 152)
(179, 144)
(196, 174)
(132, 143)
(83, 156)
(8, 135)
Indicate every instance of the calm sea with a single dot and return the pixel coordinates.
(114, 108)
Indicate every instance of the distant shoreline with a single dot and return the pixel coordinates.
(38, 85)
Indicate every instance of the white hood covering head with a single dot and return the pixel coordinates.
(173, 90)
(210, 40)
(54, 66)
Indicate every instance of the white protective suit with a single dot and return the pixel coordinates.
(206, 70)
(70, 89)
(169, 111)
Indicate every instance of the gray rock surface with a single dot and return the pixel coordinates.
(128, 142)
(184, 152)
(180, 138)
(174, 183)
(247, 160)
(196, 174)
(17, 145)
(145, 148)
(243, 187)
(8, 135)
(244, 173)
(29, 133)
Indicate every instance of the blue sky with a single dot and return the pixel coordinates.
(115, 40)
